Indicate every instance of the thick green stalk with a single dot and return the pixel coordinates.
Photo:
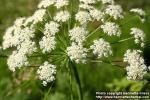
(46, 95)
(76, 75)
(70, 76)
(71, 87)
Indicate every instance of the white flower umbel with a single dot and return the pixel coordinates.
(62, 16)
(77, 53)
(46, 3)
(83, 17)
(17, 60)
(136, 69)
(72, 20)
(88, 1)
(46, 73)
(15, 36)
(47, 44)
(139, 12)
(96, 14)
(27, 47)
(111, 28)
(107, 1)
(114, 11)
(51, 28)
(132, 56)
(61, 3)
(101, 48)
(78, 34)
(138, 35)
(21, 35)
(24, 34)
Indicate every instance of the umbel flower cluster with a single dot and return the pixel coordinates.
(62, 29)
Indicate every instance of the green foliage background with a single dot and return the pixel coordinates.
(94, 77)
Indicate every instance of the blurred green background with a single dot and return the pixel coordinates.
(95, 77)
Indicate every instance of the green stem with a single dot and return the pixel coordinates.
(70, 81)
(75, 72)
(93, 31)
(126, 22)
(107, 62)
(45, 97)
(108, 19)
(61, 40)
(41, 55)
(123, 40)
(49, 14)
(97, 28)
(33, 66)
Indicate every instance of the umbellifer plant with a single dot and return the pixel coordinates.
(64, 33)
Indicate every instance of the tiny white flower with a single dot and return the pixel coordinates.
(62, 16)
(46, 73)
(78, 34)
(114, 11)
(83, 17)
(17, 60)
(111, 29)
(47, 44)
(136, 69)
(51, 28)
(61, 3)
(101, 48)
(77, 53)
(45, 3)
(138, 35)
